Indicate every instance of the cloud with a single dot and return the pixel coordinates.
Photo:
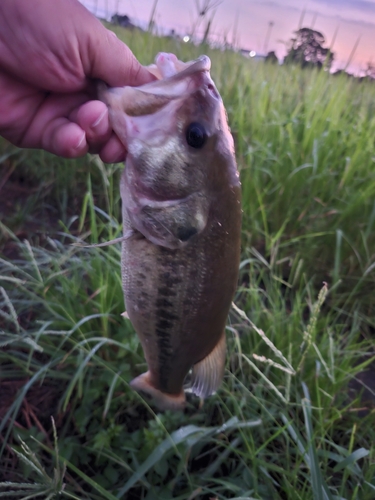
(355, 22)
(354, 12)
(279, 4)
(358, 5)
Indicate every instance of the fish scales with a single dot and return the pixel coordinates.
(181, 205)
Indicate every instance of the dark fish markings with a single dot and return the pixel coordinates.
(166, 320)
(166, 291)
(169, 279)
(163, 303)
(166, 315)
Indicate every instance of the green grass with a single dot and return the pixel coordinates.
(289, 421)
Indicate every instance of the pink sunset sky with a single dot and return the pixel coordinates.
(352, 20)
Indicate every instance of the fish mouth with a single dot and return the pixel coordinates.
(152, 97)
(196, 76)
(203, 63)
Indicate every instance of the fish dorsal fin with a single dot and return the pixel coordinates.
(207, 374)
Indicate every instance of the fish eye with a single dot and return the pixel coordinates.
(196, 135)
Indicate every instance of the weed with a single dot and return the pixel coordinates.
(294, 416)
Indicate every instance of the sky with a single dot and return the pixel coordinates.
(345, 23)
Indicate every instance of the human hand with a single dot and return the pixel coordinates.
(50, 55)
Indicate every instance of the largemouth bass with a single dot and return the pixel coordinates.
(181, 213)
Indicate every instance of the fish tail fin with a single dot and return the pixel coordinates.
(163, 400)
(207, 374)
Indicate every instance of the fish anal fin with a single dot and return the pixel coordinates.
(208, 373)
(162, 400)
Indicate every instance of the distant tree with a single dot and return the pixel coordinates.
(123, 21)
(271, 57)
(306, 49)
(370, 71)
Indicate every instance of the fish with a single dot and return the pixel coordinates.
(181, 211)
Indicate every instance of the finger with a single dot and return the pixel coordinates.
(92, 117)
(112, 61)
(52, 130)
(113, 151)
(65, 138)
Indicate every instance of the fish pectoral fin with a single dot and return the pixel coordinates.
(207, 374)
(162, 400)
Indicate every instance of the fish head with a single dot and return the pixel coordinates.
(180, 150)
(179, 119)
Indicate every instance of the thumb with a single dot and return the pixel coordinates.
(113, 62)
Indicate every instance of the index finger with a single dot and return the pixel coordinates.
(113, 62)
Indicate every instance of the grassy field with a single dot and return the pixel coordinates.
(295, 416)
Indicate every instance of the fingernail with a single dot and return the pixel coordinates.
(98, 120)
(81, 141)
(99, 125)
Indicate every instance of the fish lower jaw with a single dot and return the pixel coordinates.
(163, 400)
